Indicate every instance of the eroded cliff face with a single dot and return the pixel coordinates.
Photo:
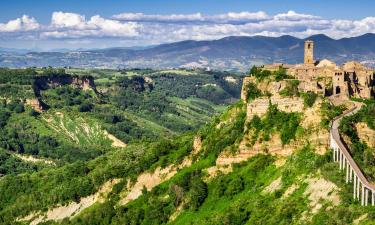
(312, 133)
(366, 134)
(53, 81)
(35, 103)
(47, 82)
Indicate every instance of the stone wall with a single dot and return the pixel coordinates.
(260, 106)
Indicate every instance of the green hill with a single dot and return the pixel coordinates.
(241, 167)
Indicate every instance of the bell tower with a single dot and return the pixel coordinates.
(309, 52)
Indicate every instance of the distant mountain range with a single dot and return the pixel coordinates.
(229, 53)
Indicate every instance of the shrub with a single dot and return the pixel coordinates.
(33, 113)
(291, 89)
(280, 74)
(4, 116)
(285, 123)
(309, 99)
(252, 91)
(85, 107)
(259, 74)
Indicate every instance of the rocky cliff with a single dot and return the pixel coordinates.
(53, 81)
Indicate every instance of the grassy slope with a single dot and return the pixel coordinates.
(238, 197)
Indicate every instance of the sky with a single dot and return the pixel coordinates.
(75, 24)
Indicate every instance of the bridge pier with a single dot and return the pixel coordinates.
(363, 196)
(358, 185)
(361, 187)
(355, 188)
(340, 161)
(347, 172)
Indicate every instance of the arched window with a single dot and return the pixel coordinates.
(338, 90)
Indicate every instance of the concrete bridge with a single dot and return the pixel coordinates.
(363, 190)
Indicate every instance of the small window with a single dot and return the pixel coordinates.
(308, 46)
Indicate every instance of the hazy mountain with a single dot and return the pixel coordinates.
(229, 53)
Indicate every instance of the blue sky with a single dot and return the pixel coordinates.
(107, 23)
(42, 9)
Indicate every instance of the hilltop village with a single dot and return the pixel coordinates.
(324, 77)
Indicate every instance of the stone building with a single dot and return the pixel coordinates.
(325, 77)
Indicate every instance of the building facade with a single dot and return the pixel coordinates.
(325, 77)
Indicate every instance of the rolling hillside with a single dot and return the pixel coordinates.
(230, 53)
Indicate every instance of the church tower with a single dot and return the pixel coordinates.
(309, 52)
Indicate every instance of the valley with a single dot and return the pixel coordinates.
(117, 161)
(182, 146)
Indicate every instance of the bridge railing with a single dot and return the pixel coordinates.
(363, 190)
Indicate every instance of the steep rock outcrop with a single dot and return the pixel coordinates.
(53, 81)
(366, 134)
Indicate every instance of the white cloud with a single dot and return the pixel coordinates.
(197, 17)
(159, 18)
(293, 16)
(25, 23)
(157, 28)
(68, 20)
(72, 25)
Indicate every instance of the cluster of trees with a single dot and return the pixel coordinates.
(212, 86)
(361, 152)
(275, 120)
(309, 98)
(17, 76)
(260, 73)
(329, 112)
(152, 99)
(291, 89)
(10, 164)
(119, 125)
(216, 140)
(67, 97)
(60, 185)
(252, 91)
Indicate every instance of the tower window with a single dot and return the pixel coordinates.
(308, 46)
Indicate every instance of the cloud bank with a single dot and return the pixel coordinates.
(146, 29)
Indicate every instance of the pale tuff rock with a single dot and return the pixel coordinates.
(280, 161)
(260, 106)
(274, 186)
(29, 158)
(319, 189)
(74, 128)
(366, 134)
(149, 180)
(310, 122)
(74, 208)
(197, 144)
(245, 82)
(115, 141)
(274, 147)
(35, 104)
(217, 170)
(290, 190)
(230, 79)
(359, 219)
(312, 114)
